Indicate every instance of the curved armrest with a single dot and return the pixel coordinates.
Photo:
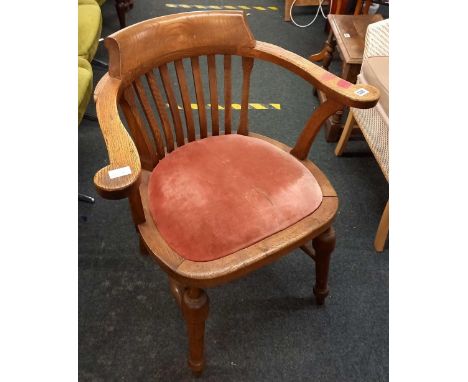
(120, 147)
(333, 86)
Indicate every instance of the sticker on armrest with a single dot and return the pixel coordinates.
(361, 92)
(118, 172)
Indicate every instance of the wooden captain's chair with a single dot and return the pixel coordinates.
(212, 202)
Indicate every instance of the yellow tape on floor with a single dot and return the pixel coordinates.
(237, 106)
(244, 7)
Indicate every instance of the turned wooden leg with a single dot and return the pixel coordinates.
(348, 128)
(195, 309)
(382, 231)
(287, 8)
(324, 245)
(326, 54)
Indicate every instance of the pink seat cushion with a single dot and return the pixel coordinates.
(215, 196)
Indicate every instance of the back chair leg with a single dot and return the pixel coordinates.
(382, 231)
(347, 129)
(177, 290)
(324, 244)
(195, 310)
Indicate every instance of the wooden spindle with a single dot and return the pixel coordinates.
(158, 100)
(146, 151)
(166, 80)
(227, 94)
(141, 94)
(185, 94)
(199, 93)
(213, 94)
(247, 65)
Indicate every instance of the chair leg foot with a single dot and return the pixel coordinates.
(324, 244)
(326, 54)
(195, 310)
(382, 231)
(85, 198)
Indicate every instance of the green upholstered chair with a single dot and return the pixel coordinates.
(85, 89)
(85, 86)
(89, 28)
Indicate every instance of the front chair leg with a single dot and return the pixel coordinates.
(195, 310)
(324, 244)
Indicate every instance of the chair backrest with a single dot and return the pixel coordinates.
(147, 60)
(139, 54)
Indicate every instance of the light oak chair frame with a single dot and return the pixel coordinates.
(134, 52)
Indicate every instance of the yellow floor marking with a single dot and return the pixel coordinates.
(237, 106)
(258, 106)
(187, 6)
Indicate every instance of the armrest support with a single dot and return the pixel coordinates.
(120, 147)
(338, 91)
(333, 86)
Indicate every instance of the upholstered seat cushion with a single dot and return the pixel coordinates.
(89, 28)
(215, 196)
(85, 86)
(375, 72)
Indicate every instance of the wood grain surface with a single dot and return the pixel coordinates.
(162, 44)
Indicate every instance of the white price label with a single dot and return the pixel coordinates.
(118, 172)
(361, 92)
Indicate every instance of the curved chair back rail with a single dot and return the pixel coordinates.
(141, 58)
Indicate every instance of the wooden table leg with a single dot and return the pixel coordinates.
(326, 54)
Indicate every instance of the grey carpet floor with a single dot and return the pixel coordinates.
(266, 326)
